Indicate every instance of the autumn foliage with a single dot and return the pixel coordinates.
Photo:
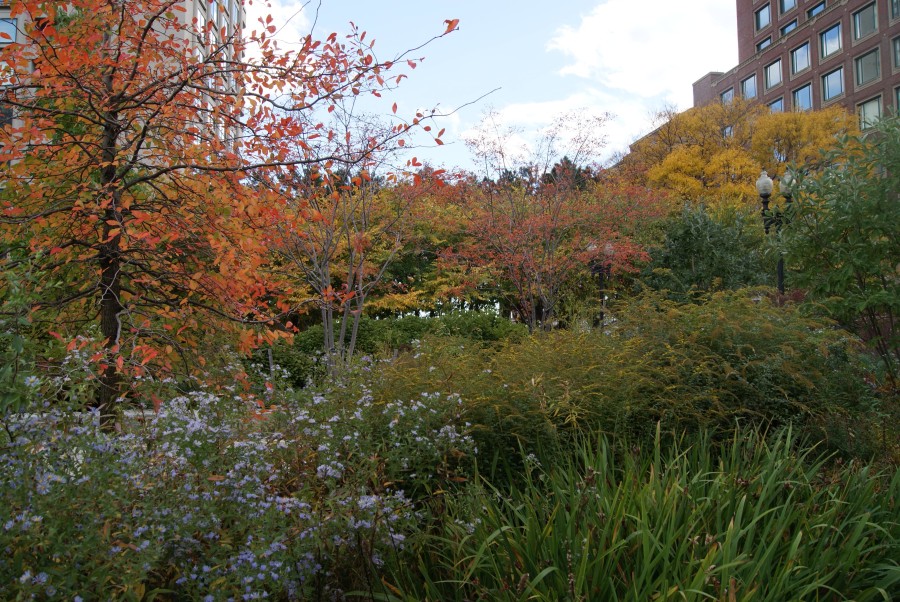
(128, 169)
(715, 153)
(527, 242)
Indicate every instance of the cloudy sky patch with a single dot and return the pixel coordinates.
(531, 61)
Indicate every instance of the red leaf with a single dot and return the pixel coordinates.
(451, 25)
(394, 108)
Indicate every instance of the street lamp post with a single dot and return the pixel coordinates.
(776, 217)
(602, 271)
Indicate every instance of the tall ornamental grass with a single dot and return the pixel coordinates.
(750, 520)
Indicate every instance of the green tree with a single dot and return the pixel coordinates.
(844, 241)
(706, 250)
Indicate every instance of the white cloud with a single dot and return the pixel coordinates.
(628, 120)
(650, 48)
(291, 17)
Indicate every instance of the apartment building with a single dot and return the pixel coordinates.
(228, 17)
(227, 14)
(796, 55)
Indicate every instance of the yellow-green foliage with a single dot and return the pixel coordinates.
(734, 358)
(715, 153)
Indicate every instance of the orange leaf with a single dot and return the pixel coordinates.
(451, 25)
(394, 108)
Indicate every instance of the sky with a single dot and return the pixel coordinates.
(531, 62)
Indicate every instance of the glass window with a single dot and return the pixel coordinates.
(8, 26)
(776, 106)
(800, 58)
(865, 22)
(869, 113)
(773, 74)
(817, 9)
(895, 45)
(830, 40)
(764, 44)
(748, 86)
(895, 9)
(727, 96)
(763, 17)
(803, 98)
(728, 131)
(833, 84)
(201, 26)
(868, 67)
(787, 5)
(896, 100)
(789, 27)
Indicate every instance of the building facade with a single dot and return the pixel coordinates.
(228, 19)
(797, 55)
(228, 16)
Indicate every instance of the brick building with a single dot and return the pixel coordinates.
(810, 54)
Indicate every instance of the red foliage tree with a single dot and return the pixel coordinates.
(537, 228)
(126, 167)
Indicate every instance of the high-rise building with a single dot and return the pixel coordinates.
(810, 54)
(228, 17)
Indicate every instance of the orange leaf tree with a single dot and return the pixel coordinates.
(538, 228)
(126, 168)
(341, 233)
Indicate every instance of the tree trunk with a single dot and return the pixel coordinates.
(110, 260)
(110, 319)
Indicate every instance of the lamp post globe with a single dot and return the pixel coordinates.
(764, 185)
(787, 184)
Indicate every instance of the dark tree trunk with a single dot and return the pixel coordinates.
(110, 327)
(109, 257)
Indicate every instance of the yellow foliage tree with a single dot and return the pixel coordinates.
(715, 153)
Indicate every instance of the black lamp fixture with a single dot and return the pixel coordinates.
(776, 216)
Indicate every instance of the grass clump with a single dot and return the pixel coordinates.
(752, 519)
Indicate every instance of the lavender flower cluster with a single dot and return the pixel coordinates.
(209, 500)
